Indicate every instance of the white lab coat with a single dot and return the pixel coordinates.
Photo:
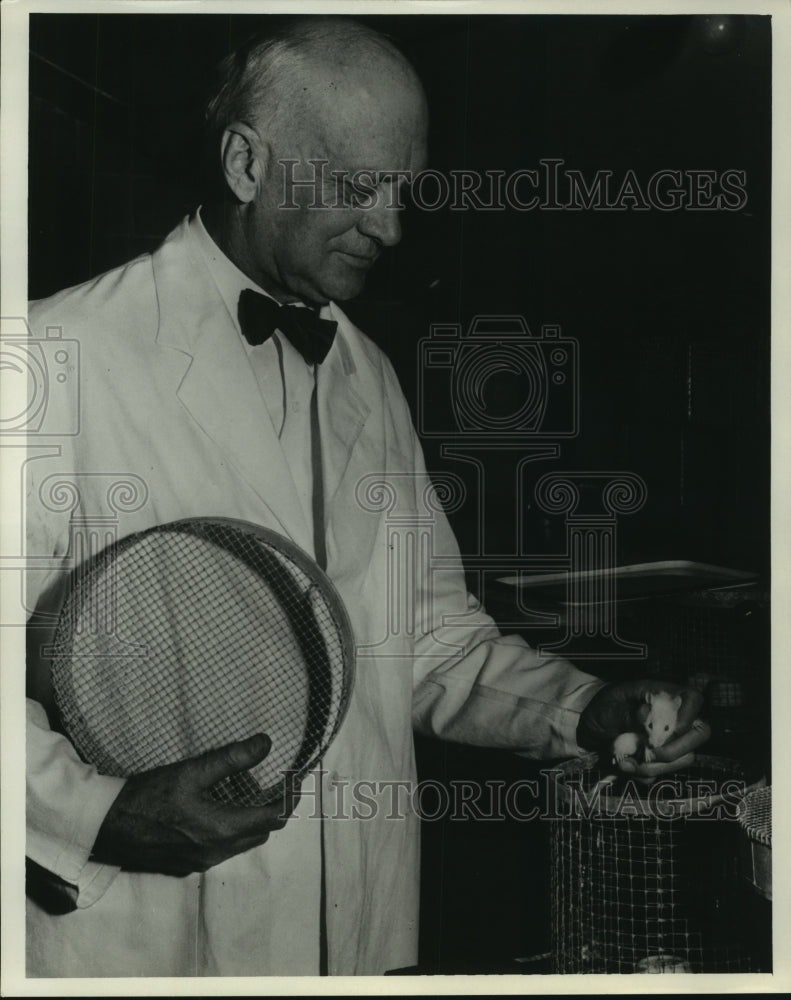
(170, 406)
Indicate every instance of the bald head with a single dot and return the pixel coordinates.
(328, 92)
(309, 70)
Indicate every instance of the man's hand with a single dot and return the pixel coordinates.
(614, 710)
(165, 820)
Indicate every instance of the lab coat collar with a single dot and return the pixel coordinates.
(217, 386)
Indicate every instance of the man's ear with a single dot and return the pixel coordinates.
(244, 159)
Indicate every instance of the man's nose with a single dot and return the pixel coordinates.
(380, 221)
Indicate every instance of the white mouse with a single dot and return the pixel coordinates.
(659, 718)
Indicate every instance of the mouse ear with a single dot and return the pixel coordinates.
(649, 697)
(677, 701)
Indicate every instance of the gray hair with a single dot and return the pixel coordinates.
(254, 82)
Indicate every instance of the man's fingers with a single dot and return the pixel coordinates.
(165, 821)
(616, 708)
(691, 704)
(232, 758)
(252, 820)
(673, 756)
(657, 768)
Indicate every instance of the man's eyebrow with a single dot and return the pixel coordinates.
(367, 178)
(399, 176)
(381, 176)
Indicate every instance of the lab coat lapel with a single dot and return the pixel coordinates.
(217, 384)
(342, 412)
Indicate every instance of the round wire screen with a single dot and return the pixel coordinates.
(755, 815)
(755, 820)
(194, 634)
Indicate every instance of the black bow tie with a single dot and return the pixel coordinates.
(260, 316)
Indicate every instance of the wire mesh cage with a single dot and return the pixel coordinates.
(712, 632)
(646, 879)
(755, 820)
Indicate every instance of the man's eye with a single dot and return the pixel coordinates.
(351, 194)
(360, 195)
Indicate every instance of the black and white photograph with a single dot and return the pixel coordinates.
(392, 497)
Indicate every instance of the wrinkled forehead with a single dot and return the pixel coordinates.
(371, 118)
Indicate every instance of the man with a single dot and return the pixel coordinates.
(148, 875)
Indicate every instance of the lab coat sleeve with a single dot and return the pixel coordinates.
(491, 690)
(67, 799)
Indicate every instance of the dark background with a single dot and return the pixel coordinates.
(671, 310)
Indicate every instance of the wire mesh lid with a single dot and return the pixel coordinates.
(755, 815)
